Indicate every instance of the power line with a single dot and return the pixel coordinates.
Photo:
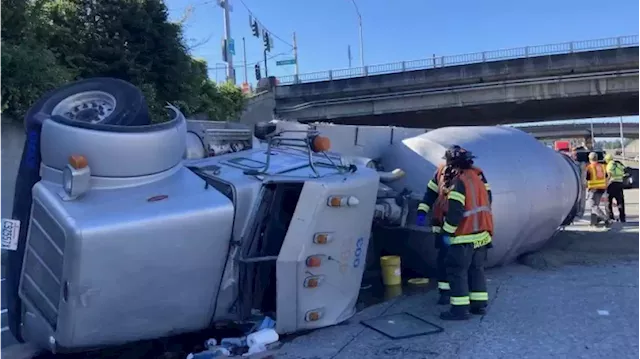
(262, 25)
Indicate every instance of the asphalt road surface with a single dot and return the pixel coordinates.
(575, 298)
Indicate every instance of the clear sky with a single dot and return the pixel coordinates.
(395, 30)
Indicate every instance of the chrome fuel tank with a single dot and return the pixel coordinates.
(534, 188)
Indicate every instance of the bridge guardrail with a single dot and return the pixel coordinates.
(478, 57)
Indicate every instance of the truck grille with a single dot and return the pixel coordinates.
(42, 270)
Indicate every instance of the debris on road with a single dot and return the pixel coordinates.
(259, 339)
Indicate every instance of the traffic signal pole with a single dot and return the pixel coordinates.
(244, 55)
(267, 47)
(266, 72)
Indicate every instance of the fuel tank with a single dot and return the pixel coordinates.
(534, 188)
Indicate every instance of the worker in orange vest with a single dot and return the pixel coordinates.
(596, 187)
(436, 196)
(445, 180)
(467, 230)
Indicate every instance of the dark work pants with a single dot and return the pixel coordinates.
(443, 282)
(616, 191)
(465, 272)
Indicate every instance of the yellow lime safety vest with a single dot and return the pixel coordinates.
(615, 171)
(597, 176)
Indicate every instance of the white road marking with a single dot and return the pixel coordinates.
(603, 312)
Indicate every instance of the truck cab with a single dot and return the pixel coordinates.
(160, 238)
(301, 228)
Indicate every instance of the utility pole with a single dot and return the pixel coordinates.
(349, 54)
(227, 34)
(295, 56)
(244, 55)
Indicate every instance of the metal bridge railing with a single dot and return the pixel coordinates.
(443, 61)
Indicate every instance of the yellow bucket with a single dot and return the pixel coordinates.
(391, 274)
(392, 291)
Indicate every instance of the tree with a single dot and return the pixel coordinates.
(28, 71)
(28, 68)
(127, 39)
(14, 19)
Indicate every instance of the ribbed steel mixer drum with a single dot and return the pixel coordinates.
(534, 188)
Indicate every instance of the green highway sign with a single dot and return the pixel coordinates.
(286, 62)
(232, 47)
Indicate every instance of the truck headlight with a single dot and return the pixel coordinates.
(67, 180)
(76, 178)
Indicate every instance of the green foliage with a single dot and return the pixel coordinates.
(28, 71)
(127, 39)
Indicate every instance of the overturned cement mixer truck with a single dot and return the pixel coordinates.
(132, 230)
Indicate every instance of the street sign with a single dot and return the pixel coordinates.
(232, 47)
(286, 62)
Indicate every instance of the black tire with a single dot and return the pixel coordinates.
(130, 110)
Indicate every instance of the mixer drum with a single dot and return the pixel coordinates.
(535, 189)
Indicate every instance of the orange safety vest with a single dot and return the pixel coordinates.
(597, 176)
(477, 208)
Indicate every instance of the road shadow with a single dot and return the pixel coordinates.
(583, 245)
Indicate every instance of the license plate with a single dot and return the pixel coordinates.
(10, 232)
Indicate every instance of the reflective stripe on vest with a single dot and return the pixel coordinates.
(478, 239)
(615, 171)
(597, 176)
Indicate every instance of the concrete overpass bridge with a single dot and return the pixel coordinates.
(582, 130)
(595, 78)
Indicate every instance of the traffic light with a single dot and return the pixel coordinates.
(254, 27)
(267, 40)
(258, 75)
(224, 50)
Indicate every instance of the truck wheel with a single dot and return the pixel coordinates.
(100, 100)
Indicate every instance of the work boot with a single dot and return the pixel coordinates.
(456, 313)
(444, 299)
(478, 310)
(607, 223)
